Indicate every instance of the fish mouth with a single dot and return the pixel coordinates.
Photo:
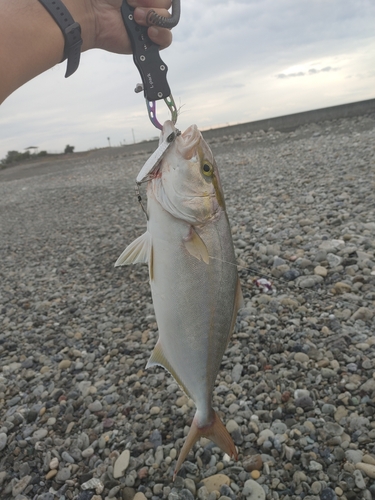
(189, 141)
(186, 142)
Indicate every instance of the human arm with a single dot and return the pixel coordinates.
(31, 42)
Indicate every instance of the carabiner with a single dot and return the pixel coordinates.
(151, 108)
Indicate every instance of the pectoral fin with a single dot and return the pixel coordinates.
(196, 246)
(137, 252)
(158, 358)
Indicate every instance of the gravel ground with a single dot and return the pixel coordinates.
(81, 418)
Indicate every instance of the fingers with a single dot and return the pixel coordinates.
(140, 15)
(160, 36)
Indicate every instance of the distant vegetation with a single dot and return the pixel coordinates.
(14, 157)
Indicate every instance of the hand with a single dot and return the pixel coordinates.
(33, 42)
(109, 30)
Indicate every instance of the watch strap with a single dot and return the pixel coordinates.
(71, 31)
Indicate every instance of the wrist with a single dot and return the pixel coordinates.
(83, 14)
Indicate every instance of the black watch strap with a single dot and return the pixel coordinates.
(71, 31)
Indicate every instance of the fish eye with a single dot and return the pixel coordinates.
(207, 168)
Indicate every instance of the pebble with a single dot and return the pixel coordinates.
(52, 473)
(40, 434)
(64, 364)
(20, 485)
(333, 260)
(231, 426)
(301, 357)
(3, 440)
(368, 469)
(321, 271)
(354, 456)
(63, 475)
(139, 496)
(308, 281)
(214, 483)
(253, 491)
(236, 372)
(328, 494)
(54, 463)
(369, 459)
(185, 494)
(359, 481)
(121, 464)
(95, 406)
(93, 484)
(296, 386)
(333, 429)
(252, 463)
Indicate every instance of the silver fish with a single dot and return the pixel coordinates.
(193, 275)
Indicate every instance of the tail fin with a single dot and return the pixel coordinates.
(215, 431)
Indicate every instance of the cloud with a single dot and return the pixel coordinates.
(233, 62)
(308, 72)
(290, 75)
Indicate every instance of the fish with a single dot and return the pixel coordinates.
(193, 275)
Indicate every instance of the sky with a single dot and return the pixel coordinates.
(231, 61)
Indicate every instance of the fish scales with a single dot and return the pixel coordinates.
(193, 275)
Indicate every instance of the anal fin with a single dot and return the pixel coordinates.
(158, 359)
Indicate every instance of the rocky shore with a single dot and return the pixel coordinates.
(81, 418)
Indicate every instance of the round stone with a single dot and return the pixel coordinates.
(3, 440)
(321, 271)
(328, 494)
(301, 357)
(214, 483)
(64, 364)
(253, 491)
(255, 474)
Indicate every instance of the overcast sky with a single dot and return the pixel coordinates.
(231, 61)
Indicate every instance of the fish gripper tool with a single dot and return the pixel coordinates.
(146, 57)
